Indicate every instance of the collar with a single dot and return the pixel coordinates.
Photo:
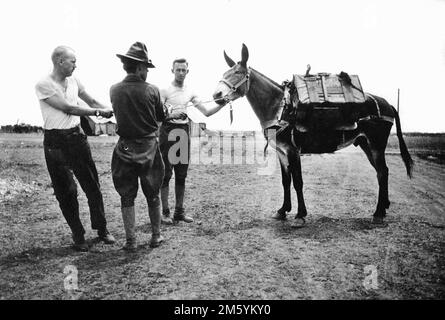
(183, 87)
(132, 78)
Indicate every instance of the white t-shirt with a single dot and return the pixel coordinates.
(178, 98)
(52, 117)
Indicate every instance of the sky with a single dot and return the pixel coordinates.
(389, 44)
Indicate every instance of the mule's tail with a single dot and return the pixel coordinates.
(403, 148)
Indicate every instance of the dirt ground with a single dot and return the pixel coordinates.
(234, 250)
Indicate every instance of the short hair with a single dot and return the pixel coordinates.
(130, 65)
(180, 60)
(59, 52)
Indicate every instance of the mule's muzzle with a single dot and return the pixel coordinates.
(218, 97)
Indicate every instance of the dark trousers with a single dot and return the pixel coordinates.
(68, 152)
(180, 169)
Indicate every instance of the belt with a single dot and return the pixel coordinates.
(62, 131)
(150, 135)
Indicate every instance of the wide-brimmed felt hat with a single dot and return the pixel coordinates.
(138, 52)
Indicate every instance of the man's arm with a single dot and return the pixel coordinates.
(205, 109)
(89, 100)
(208, 111)
(93, 103)
(174, 115)
(58, 102)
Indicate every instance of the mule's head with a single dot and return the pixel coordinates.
(235, 82)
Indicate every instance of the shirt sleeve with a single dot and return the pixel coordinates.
(159, 107)
(45, 89)
(163, 94)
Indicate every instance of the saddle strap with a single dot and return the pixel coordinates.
(379, 114)
(382, 117)
(376, 104)
(282, 126)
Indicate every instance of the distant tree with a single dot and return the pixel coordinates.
(25, 128)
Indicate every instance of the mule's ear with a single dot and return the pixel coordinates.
(244, 55)
(229, 61)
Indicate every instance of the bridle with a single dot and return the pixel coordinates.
(235, 87)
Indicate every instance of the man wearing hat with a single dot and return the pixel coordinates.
(66, 147)
(138, 109)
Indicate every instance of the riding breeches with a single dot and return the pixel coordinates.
(133, 160)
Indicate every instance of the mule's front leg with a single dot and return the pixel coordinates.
(295, 165)
(285, 180)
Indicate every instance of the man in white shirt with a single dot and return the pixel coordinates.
(66, 147)
(177, 97)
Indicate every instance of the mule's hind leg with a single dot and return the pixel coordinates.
(295, 167)
(285, 180)
(374, 147)
(382, 177)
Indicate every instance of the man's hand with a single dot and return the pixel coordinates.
(168, 107)
(106, 113)
(178, 115)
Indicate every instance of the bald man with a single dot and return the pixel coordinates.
(66, 147)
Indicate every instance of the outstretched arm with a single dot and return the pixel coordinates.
(208, 111)
(93, 103)
(58, 102)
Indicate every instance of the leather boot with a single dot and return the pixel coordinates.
(79, 243)
(179, 215)
(129, 219)
(165, 218)
(155, 220)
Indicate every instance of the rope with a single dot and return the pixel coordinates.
(188, 105)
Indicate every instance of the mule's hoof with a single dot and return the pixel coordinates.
(378, 221)
(279, 215)
(298, 223)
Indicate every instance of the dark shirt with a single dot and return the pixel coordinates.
(137, 107)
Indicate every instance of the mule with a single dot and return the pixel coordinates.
(265, 97)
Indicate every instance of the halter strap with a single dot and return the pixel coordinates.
(234, 87)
